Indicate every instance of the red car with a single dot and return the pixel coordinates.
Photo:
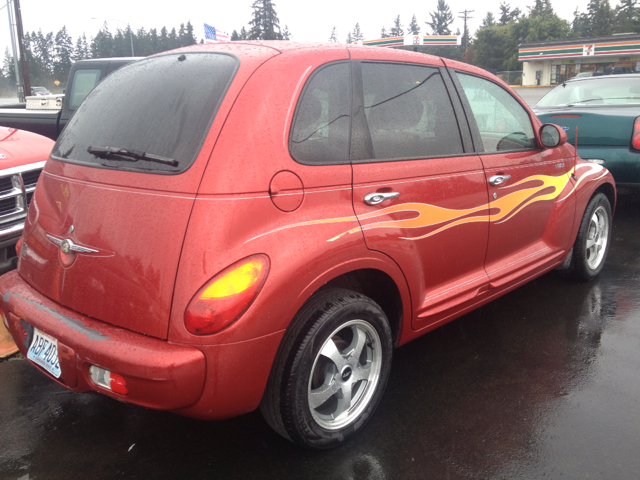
(243, 225)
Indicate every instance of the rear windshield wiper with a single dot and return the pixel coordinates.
(106, 152)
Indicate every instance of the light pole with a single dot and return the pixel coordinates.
(116, 20)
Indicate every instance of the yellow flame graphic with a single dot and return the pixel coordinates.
(535, 188)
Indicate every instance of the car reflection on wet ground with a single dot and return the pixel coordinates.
(540, 383)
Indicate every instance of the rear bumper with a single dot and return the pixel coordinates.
(159, 374)
(623, 163)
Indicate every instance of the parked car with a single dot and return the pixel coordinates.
(39, 91)
(606, 111)
(260, 224)
(22, 157)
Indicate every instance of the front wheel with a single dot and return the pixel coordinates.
(331, 371)
(592, 244)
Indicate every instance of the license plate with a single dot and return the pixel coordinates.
(44, 352)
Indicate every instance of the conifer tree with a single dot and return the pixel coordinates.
(383, 33)
(441, 19)
(414, 27)
(349, 38)
(265, 24)
(334, 35)
(356, 35)
(63, 47)
(488, 20)
(396, 30)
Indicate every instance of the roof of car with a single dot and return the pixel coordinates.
(597, 78)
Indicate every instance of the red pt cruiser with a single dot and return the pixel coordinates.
(259, 224)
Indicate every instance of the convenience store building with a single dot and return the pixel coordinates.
(552, 62)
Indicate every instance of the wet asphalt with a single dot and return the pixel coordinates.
(541, 383)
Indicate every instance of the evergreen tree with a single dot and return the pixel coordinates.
(356, 35)
(383, 33)
(626, 17)
(163, 40)
(286, 34)
(488, 21)
(235, 36)
(102, 43)
(506, 14)
(63, 45)
(244, 35)
(579, 24)
(9, 68)
(173, 40)
(334, 36)
(396, 30)
(265, 24)
(541, 7)
(349, 38)
(414, 27)
(600, 18)
(441, 19)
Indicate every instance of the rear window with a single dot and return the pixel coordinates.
(150, 116)
(600, 91)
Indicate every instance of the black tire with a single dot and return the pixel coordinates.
(593, 240)
(335, 321)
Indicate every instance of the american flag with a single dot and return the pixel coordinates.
(211, 34)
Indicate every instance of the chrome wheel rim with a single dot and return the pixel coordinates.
(597, 237)
(345, 375)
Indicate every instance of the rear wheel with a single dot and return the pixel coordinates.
(331, 370)
(592, 244)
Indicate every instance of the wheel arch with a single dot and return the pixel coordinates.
(610, 192)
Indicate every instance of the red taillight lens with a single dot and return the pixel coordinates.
(226, 296)
(635, 138)
(18, 246)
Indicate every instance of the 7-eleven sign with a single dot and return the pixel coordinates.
(588, 50)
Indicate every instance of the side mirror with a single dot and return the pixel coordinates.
(552, 135)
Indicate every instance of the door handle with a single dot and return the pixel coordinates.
(374, 198)
(499, 179)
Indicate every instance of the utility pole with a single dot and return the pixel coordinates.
(465, 16)
(23, 57)
(16, 64)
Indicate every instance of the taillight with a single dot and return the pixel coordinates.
(226, 296)
(109, 380)
(18, 246)
(635, 138)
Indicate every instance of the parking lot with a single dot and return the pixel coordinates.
(541, 383)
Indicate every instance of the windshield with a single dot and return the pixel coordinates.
(157, 108)
(601, 91)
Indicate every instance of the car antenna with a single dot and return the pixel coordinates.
(575, 156)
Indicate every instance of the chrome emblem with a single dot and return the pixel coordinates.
(67, 245)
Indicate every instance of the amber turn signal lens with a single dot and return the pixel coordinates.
(226, 296)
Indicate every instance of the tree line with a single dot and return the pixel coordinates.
(50, 55)
(494, 45)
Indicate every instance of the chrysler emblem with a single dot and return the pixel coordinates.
(65, 246)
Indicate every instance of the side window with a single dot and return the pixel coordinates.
(503, 123)
(83, 82)
(320, 132)
(409, 112)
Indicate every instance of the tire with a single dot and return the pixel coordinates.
(593, 240)
(321, 391)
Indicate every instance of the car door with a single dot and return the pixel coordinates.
(529, 191)
(419, 190)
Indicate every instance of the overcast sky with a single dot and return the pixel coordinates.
(307, 21)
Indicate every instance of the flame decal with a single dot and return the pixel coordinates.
(527, 191)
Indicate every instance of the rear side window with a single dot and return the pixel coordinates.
(320, 133)
(156, 112)
(503, 123)
(84, 81)
(409, 112)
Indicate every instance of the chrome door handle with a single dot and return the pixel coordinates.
(499, 179)
(374, 198)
